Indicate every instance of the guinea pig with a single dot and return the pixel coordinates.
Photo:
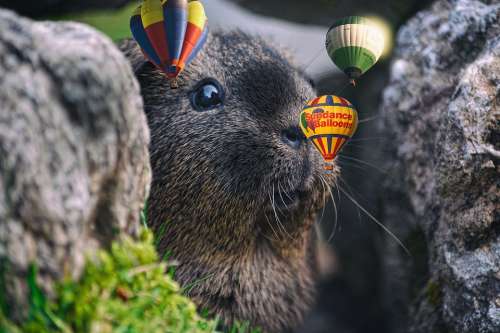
(236, 186)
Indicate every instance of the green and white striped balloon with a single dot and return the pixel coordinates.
(354, 44)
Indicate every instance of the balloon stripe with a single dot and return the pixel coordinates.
(175, 13)
(328, 154)
(343, 101)
(156, 34)
(151, 12)
(335, 141)
(367, 36)
(343, 58)
(193, 33)
(152, 20)
(314, 101)
(198, 46)
(141, 38)
(329, 100)
(338, 145)
(319, 139)
(150, 60)
(334, 135)
(335, 104)
(196, 15)
(329, 143)
(314, 141)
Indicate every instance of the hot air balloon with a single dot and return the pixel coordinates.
(170, 33)
(354, 44)
(329, 121)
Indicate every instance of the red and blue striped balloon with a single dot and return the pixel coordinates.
(170, 33)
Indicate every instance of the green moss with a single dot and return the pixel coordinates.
(124, 290)
(433, 293)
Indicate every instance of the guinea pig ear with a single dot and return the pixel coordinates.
(133, 53)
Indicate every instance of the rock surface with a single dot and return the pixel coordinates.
(74, 165)
(441, 112)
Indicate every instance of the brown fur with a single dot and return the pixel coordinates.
(214, 176)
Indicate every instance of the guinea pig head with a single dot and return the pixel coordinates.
(227, 153)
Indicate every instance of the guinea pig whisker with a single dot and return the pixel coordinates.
(281, 196)
(286, 192)
(374, 219)
(358, 145)
(351, 164)
(282, 227)
(272, 229)
(368, 119)
(269, 222)
(352, 192)
(334, 230)
(364, 162)
(271, 199)
(322, 181)
(290, 185)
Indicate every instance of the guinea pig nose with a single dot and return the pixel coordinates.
(292, 136)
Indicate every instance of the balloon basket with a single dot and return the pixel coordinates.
(174, 84)
(352, 82)
(328, 167)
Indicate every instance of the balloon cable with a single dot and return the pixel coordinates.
(313, 59)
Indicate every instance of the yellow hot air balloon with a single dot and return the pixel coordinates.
(329, 122)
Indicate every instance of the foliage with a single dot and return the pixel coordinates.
(124, 290)
(114, 23)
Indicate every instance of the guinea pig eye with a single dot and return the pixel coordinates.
(206, 95)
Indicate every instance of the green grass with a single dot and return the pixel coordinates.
(114, 23)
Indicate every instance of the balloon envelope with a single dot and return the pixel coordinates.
(329, 122)
(170, 33)
(354, 44)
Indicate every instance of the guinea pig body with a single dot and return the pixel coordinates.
(235, 183)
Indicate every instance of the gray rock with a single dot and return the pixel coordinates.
(441, 113)
(74, 164)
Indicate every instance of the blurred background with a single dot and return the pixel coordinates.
(351, 296)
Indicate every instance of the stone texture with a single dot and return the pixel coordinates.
(74, 164)
(441, 114)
